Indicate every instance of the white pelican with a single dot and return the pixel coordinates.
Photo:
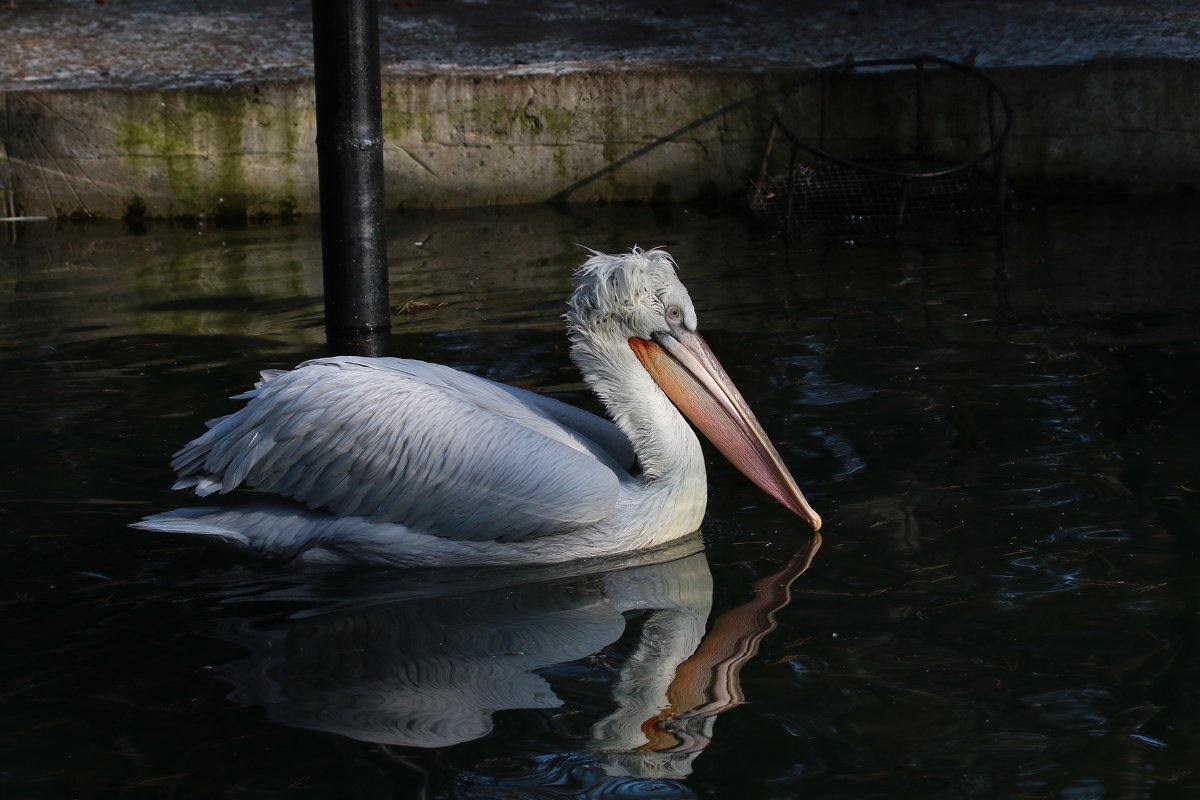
(407, 463)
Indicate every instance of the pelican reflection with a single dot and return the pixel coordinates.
(428, 664)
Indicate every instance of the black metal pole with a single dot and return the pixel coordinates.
(350, 167)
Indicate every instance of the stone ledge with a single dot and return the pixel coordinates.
(469, 138)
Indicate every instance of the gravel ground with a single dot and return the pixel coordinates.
(73, 44)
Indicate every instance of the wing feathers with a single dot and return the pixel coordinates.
(418, 444)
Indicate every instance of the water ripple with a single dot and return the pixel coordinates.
(566, 775)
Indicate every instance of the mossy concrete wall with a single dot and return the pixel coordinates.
(608, 135)
(451, 140)
(1122, 124)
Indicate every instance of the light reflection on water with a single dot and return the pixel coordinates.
(1002, 444)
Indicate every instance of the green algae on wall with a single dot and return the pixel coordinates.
(557, 122)
(199, 142)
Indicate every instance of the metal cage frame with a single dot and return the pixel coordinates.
(999, 119)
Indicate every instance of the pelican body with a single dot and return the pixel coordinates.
(401, 462)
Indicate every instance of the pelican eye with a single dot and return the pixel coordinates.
(674, 313)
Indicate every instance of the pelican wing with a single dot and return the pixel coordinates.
(422, 445)
(611, 439)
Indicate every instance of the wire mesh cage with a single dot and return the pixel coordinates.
(940, 177)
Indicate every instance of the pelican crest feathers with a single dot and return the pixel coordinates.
(607, 284)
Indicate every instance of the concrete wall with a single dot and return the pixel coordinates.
(503, 138)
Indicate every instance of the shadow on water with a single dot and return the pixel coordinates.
(1002, 445)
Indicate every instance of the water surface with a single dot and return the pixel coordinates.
(1001, 439)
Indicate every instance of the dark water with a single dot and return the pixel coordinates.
(1003, 443)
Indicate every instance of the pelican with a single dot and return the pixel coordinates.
(401, 462)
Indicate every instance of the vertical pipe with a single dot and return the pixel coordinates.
(920, 143)
(350, 167)
(997, 163)
(824, 104)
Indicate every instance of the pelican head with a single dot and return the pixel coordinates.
(629, 318)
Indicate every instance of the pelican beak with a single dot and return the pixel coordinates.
(688, 372)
